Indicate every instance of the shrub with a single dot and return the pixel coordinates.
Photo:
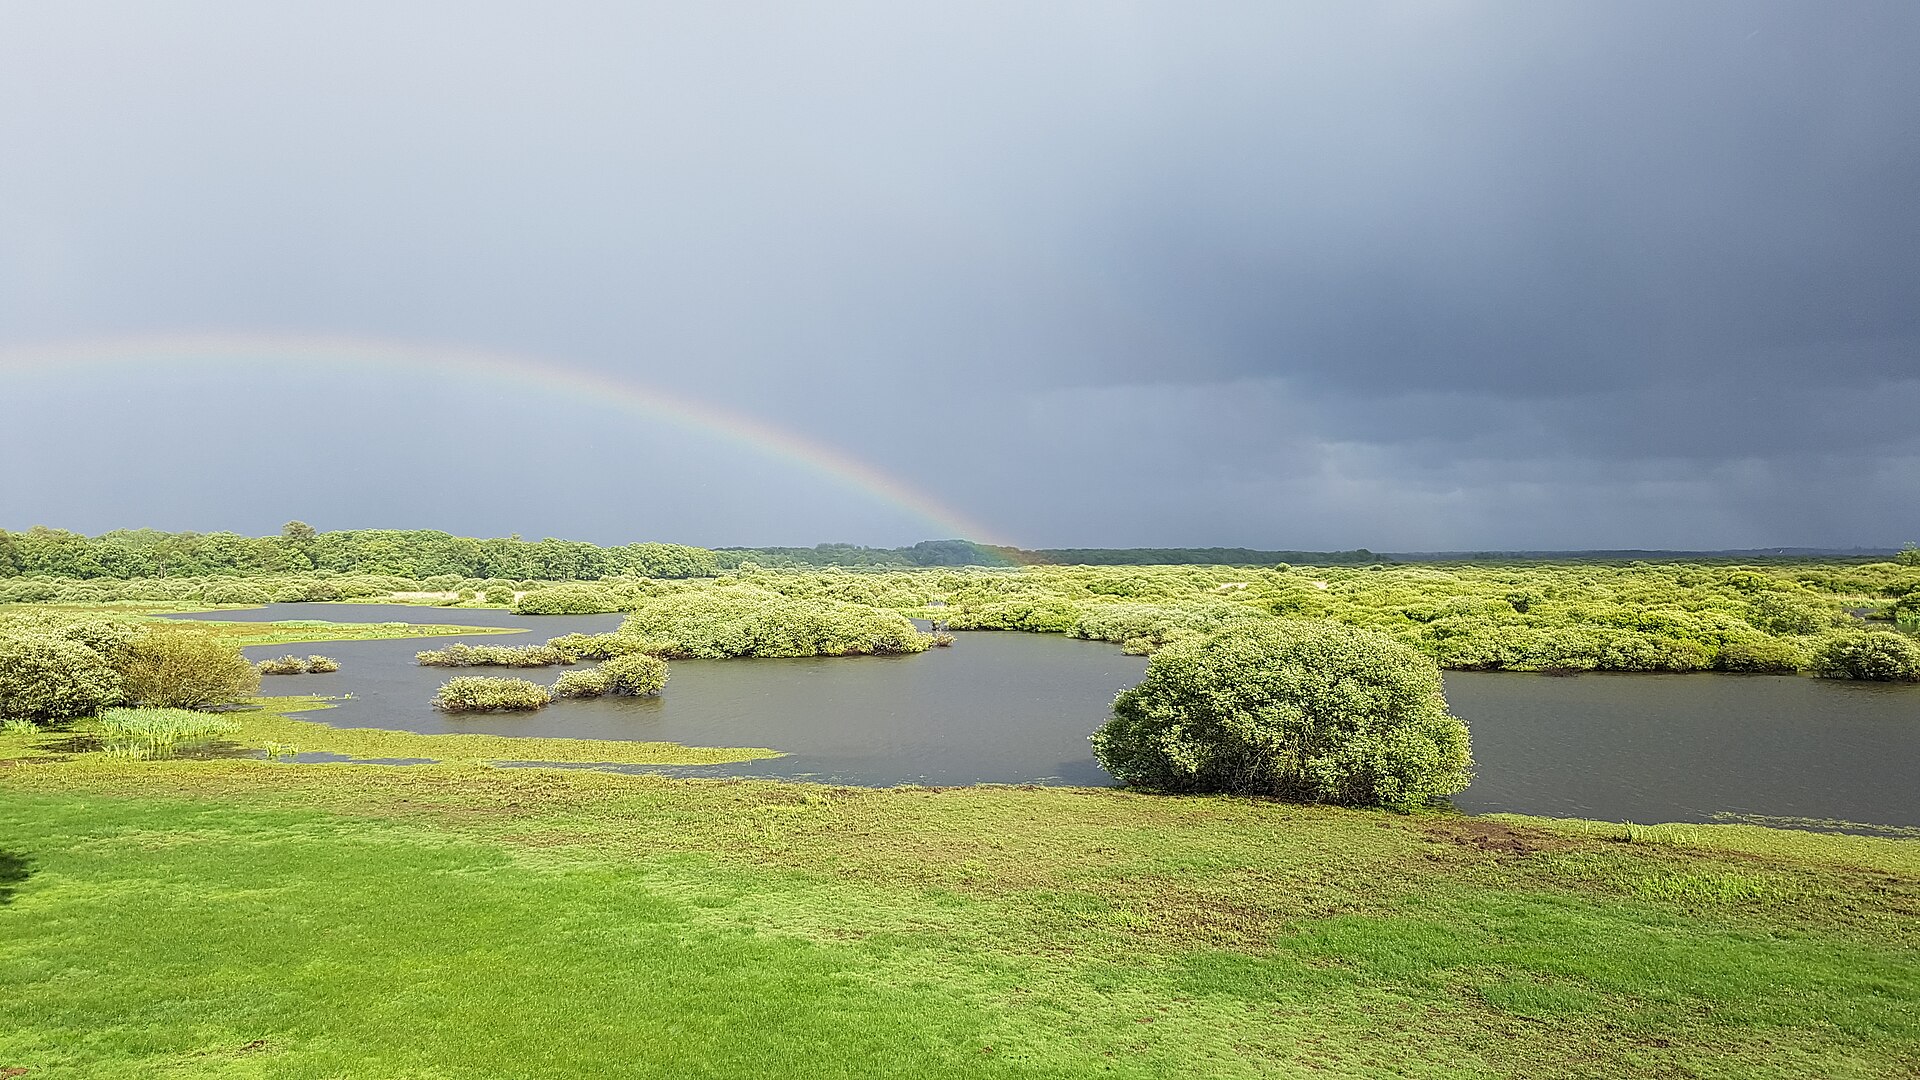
(46, 677)
(179, 667)
(463, 655)
(472, 693)
(1873, 655)
(321, 665)
(576, 647)
(719, 623)
(573, 600)
(592, 682)
(500, 594)
(158, 732)
(1758, 654)
(1308, 711)
(635, 673)
(283, 665)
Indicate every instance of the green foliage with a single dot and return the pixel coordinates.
(145, 733)
(184, 667)
(460, 654)
(576, 600)
(593, 682)
(1873, 655)
(321, 665)
(1307, 711)
(283, 665)
(500, 594)
(45, 676)
(478, 694)
(721, 622)
(635, 673)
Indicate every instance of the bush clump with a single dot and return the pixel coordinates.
(590, 683)
(635, 673)
(1871, 655)
(179, 667)
(293, 665)
(574, 600)
(462, 655)
(473, 693)
(45, 677)
(1302, 710)
(721, 623)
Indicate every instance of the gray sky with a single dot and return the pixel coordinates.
(1406, 275)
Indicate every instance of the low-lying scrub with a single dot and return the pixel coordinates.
(461, 655)
(1874, 655)
(718, 623)
(474, 693)
(590, 683)
(293, 665)
(635, 673)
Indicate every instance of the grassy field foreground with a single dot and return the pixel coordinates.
(252, 919)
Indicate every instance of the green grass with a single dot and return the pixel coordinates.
(246, 918)
(269, 726)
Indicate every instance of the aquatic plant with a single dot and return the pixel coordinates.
(474, 693)
(158, 732)
(282, 665)
(19, 725)
(321, 665)
(716, 623)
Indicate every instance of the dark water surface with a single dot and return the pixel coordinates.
(1017, 708)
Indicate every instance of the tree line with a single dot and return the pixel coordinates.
(410, 553)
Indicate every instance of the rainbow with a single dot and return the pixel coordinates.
(537, 374)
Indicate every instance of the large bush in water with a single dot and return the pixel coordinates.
(47, 677)
(1308, 711)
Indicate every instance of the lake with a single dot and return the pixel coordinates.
(1017, 708)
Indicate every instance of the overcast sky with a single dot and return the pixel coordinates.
(1410, 276)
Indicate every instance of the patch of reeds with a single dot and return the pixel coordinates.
(152, 733)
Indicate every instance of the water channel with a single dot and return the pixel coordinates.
(1017, 708)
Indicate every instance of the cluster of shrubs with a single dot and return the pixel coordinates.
(293, 665)
(54, 670)
(635, 674)
(724, 622)
(462, 655)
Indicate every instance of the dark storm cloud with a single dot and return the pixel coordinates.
(1405, 275)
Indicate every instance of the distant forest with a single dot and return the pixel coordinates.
(423, 553)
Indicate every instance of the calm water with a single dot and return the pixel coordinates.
(1017, 708)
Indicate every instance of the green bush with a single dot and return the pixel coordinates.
(321, 665)
(472, 693)
(716, 623)
(592, 682)
(459, 654)
(635, 673)
(47, 677)
(574, 600)
(1307, 711)
(181, 667)
(1872, 655)
(283, 665)
(606, 646)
